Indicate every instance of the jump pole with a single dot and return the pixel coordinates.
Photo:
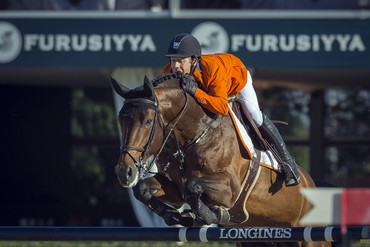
(183, 234)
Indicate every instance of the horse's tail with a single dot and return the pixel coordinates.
(306, 179)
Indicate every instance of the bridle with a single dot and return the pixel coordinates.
(143, 167)
(141, 164)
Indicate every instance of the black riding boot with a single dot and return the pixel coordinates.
(272, 135)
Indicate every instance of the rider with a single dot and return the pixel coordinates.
(221, 75)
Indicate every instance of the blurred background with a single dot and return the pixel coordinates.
(59, 139)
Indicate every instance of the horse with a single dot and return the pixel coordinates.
(200, 162)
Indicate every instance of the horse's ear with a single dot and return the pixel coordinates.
(148, 87)
(119, 88)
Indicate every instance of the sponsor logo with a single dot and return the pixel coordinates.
(89, 42)
(176, 45)
(294, 42)
(10, 42)
(212, 37)
(255, 233)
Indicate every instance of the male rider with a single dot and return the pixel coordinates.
(221, 75)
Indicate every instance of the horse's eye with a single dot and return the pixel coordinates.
(148, 121)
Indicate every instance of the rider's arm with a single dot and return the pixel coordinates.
(216, 98)
(213, 95)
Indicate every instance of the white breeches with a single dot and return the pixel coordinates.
(249, 101)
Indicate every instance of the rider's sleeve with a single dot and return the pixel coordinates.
(222, 74)
(216, 103)
(215, 85)
(213, 94)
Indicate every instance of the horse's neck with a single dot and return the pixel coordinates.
(193, 121)
(183, 113)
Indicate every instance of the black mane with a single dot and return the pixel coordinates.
(131, 108)
(165, 77)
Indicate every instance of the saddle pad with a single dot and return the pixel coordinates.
(267, 158)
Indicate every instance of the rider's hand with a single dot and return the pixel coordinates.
(188, 84)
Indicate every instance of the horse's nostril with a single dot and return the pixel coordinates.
(129, 172)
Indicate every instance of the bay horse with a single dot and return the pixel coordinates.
(200, 162)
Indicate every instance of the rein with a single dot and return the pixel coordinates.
(179, 152)
(180, 155)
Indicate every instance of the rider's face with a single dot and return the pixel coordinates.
(182, 64)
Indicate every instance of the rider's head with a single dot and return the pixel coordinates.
(184, 52)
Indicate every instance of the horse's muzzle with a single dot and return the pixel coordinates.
(128, 176)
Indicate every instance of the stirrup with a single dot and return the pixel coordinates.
(291, 182)
(291, 178)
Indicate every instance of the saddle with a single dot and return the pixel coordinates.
(248, 123)
(258, 141)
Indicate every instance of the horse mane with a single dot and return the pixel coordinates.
(165, 77)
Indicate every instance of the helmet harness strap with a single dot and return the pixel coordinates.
(193, 66)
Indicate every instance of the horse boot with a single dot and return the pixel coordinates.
(170, 215)
(272, 135)
(223, 216)
(192, 192)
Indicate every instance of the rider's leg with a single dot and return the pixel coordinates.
(249, 101)
(272, 135)
(268, 130)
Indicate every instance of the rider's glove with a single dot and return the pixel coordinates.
(188, 84)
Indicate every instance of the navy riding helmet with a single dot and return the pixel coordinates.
(184, 45)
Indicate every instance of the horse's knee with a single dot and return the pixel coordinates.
(193, 187)
(142, 191)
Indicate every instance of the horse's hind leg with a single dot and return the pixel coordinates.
(149, 190)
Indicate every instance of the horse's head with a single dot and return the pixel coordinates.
(138, 121)
(153, 120)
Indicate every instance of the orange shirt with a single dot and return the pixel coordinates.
(221, 75)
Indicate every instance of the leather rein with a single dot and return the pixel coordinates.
(143, 167)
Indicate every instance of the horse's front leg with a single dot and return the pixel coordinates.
(155, 192)
(214, 190)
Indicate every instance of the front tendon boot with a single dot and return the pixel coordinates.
(192, 193)
(272, 135)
